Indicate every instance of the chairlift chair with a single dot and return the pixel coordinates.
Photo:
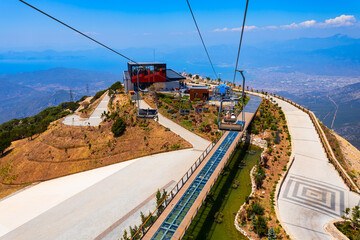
(229, 121)
(199, 107)
(236, 125)
(146, 113)
(206, 107)
(143, 112)
(183, 111)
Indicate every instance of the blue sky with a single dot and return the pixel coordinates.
(123, 24)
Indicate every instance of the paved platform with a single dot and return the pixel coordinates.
(95, 118)
(100, 203)
(313, 193)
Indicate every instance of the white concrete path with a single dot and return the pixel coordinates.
(95, 118)
(84, 205)
(197, 141)
(313, 193)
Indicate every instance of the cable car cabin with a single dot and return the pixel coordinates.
(146, 113)
(148, 72)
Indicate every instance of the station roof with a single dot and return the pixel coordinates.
(171, 75)
(144, 63)
(174, 76)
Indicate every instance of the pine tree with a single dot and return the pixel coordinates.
(271, 235)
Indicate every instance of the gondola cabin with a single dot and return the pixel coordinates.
(148, 72)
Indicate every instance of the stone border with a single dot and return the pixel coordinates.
(333, 231)
(253, 188)
(278, 189)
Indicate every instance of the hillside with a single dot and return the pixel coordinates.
(63, 150)
(25, 94)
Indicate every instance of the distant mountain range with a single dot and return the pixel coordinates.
(27, 93)
(335, 55)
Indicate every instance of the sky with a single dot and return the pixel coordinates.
(167, 24)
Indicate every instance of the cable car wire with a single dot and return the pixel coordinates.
(241, 37)
(66, 25)
(202, 40)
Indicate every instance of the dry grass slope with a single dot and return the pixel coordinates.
(62, 150)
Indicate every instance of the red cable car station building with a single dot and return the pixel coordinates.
(149, 73)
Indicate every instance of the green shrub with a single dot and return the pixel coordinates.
(175, 146)
(255, 208)
(97, 96)
(118, 128)
(261, 227)
(116, 86)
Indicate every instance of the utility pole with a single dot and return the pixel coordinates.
(71, 96)
(87, 89)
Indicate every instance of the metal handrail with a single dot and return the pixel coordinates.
(170, 196)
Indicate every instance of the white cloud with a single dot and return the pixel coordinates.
(221, 30)
(293, 25)
(341, 21)
(307, 24)
(271, 27)
(247, 28)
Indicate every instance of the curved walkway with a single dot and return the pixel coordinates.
(195, 140)
(95, 118)
(313, 193)
(100, 203)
